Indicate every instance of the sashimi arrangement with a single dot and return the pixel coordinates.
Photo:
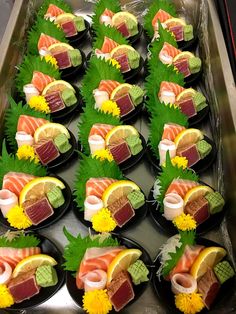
(27, 268)
(110, 271)
(27, 129)
(105, 199)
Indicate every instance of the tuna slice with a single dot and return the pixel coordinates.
(13, 256)
(187, 107)
(55, 101)
(97, 186)
(63, 60)
(29, 124)
(69, 28)
(181, 187)
(178, 32)
(209, 287)
(100, 129)
(108, 45)
(191, 153)
(23, 287)
(121, 211)
(108, 86)
(95, 258)
(39, 211)
(171, 130)
(15, 181)
(120, 151)
(120, 290)
(162, 16)
(124, 63)
(46, 151)
(125, 104)
(199, 209)
(123, 29)
(183, 67)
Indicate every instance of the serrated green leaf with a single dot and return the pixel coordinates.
(110, 32)
(59, 3)
(18, 240)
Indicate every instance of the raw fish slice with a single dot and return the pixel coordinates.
(69, 28)
(46, 41)
(95, 280)
(29, 124)
(162, 16)
(5, 273)
(108, 86)
(97, 186)
(53, 11)
(108, 45)
(108, 12)
(171, 87)
(41, 80)
(183, 67)
(181, 187)
(63, 59)
(178, 31)
(100, 129)
(170, 50)
(171, 130)
(13, 256)
(15, 181)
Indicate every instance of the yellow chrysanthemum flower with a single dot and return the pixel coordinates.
(96, 302)
(17, 218)
(180, 162)
(6, 299)
(185, 222)
(51, 60)
(114, 63)
(103, 154)
(102, 221)
(189, 303)
(39, 103)
(27, 152)
(111, 107)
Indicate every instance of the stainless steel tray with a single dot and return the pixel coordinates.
(219, 84)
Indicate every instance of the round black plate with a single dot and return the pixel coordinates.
(73, 72)
(167, 226)
(163, 291)
(76, 40)
(77, 294)
(68, 111)
(140, 214)
(58, 212)
(47, 247)
(199, 167)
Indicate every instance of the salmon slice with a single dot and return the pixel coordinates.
(15, 181)
(97, 186)
(162, 16)
(171, 130)
(13, 256)
(29, 124)
(108, 12)
(108, 45)
(46, 41)
(171, 87)
(100, 129)
(108, 86)
(41, 80)
(181, 187)
(100, 260)
(53, 11)
(169, 50)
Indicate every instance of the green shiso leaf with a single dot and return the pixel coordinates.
(88, 119)
(28, 66)
(165, 5)
(101, 5)
(168, 174)
(10, 163)
(18, 240)
(59, 3)
(90, 167)
(74, 251)
(46, 27)
(97, 71)
(110, 32)
(11, 119)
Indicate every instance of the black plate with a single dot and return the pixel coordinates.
(68, 111)
(192, 79)
(199, 167)
(140, 214)
(167, 226)
(77, 294)
(47, 247)
(58, 212)
(73, 72)
(76, 40)
(163, 291)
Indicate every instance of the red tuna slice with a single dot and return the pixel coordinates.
(23, 287)
(171, 130)
(125, 104)
(13, 256)
(123, 29)
(108, 45)
(162, 16)
(199, 209)
(97, 186)
(121, 211)
(55, 101)
(209, 287)
(15, 181)
(46, 151)
(38, 211)
(69, 28)
(45, 41)
(100, 129)
(191, 153)
(124, 63)
(108, 86)
(182, 66)
(120, 151)
(29, 124)
(181, 187)
(178, 31)
(41, 80)
(53, 11)
(187, 107)
(63, 60)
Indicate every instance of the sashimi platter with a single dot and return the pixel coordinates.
(107, 132)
